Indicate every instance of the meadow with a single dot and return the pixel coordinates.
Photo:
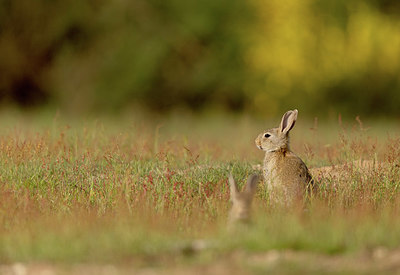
(149, 193)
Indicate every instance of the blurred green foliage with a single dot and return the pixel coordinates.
(326, 55)
(258, 56)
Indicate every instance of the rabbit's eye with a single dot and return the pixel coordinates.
(267, 135)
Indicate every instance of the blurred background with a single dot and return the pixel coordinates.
(254, 56)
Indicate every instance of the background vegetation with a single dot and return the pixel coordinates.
(142, 187)
(151, 195)
(257, 56)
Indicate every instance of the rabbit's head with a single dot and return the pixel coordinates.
(241, 201)
(276, 139)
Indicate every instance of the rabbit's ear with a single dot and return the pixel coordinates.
(251, 185)
(288, 121)
(233, 187)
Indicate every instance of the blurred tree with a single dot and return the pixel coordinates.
(325, 55)
(176, 52)
(105, 54)
(259, 56)
(32, 34)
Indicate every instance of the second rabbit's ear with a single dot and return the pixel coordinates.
(251, 185)
(233, 187)
(288, 121)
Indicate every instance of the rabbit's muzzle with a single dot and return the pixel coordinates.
(258, 144)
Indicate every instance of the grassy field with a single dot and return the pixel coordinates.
(150, 194)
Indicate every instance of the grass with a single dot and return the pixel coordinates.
(142, 189)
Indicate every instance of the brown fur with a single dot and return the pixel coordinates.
(285, 174)
(241, 201)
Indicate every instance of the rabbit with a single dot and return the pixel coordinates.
(285, 174)
(241, 201)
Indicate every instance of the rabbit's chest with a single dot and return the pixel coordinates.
(280, 173)
(271, 173)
